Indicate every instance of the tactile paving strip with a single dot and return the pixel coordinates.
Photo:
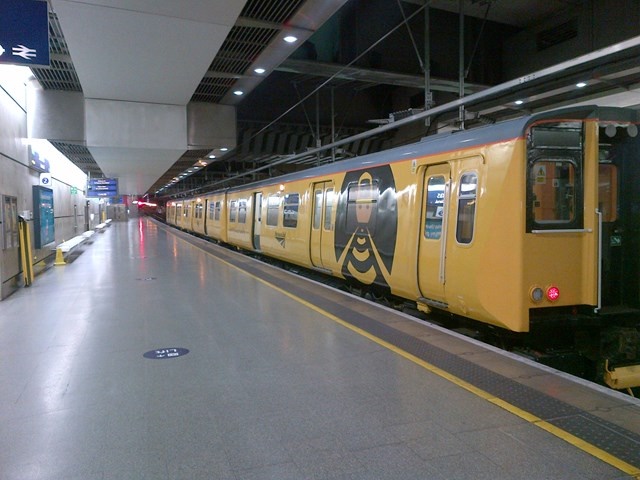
(610, 438)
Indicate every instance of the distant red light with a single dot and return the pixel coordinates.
(553, 293)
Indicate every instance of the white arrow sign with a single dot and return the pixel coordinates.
(2, 50)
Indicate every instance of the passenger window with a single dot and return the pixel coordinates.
(554, 200)
(233, 211)
(328, 208)
(212, 210)
(467, 195)
(273, 205)
(198, 211)
(242, 211)
(317, 209)
(217, 214)
(435, 208)
(290, 210)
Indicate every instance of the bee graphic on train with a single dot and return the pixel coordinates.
(366, 226)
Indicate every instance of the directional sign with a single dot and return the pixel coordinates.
(102, 187)
(24, 32)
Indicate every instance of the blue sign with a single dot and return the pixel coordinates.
(162, 353)
(24, 32)
(102, 187)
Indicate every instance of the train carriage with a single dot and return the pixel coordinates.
(526, 222)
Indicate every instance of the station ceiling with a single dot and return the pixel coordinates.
(357, 65)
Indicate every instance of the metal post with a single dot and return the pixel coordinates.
(333, 126)
(428, 99)
(318, 141)
(461, 66)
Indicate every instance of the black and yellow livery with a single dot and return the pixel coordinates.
(510, 224)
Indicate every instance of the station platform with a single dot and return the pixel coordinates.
(157, 355)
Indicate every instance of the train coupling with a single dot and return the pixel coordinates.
(621, 378)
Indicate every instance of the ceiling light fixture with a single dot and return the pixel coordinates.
(581, 84)
(290, 39)
(259, 71)
(238, 92)
(519, 102)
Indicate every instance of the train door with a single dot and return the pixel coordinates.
(433, 235)
(257, 219)
(321, 244)
(618, 200)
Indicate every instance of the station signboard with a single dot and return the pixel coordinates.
(24, 32)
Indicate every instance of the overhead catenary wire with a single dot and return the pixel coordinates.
(514, 85)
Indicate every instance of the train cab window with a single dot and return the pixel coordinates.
(242, 211)
(273, 205)
(554, 176)
(554, 201)
(317, 209)
(290, 210)
(217, 211)
(435, 207)
(328, 208)
(233, 211)
(467, 196)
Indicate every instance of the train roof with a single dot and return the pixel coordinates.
(444, 142)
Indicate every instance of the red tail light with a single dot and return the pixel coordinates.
(553, 293)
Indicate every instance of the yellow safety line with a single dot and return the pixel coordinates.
(534, 420)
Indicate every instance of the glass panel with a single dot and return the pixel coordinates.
(466, 207)
(217, 217)
(233, 211)
(435, 208)
(553, 191)
(317, 209)
(272, 210)
(242, 211)
(290, 210)
(328, 208)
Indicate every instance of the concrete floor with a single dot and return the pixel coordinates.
(270, 389)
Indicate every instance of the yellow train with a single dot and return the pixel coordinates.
(524, 222)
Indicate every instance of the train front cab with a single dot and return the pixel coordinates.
(583, 219)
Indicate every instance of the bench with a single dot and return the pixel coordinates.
(87, 235)
(65, 248)
(108, 221)
(100, 227)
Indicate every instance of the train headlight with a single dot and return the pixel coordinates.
(536, 294)
(553, 293)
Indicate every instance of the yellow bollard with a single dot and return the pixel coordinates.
(59, 258)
